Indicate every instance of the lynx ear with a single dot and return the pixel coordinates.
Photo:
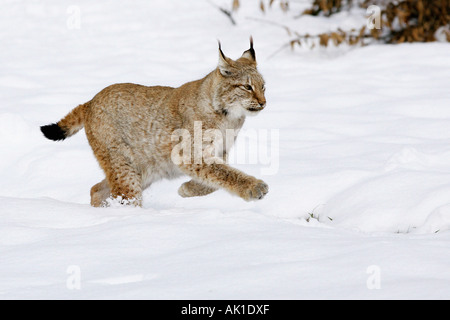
(250, 53)
(224, 64)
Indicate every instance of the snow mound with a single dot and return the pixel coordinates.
(401, 202)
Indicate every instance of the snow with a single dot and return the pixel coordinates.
(354, 144)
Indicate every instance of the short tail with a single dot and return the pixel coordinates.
(68, 126)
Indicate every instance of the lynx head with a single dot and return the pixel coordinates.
(240, 89)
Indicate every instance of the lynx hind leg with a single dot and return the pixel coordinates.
(99, 193)
(124, 182)
(122, 178)
(126, 185)
(194, 189)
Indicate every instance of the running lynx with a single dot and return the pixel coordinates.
(130, 130)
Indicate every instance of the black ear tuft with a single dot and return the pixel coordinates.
(53, 132)
(251, 50)
(220, 50)
(224, 63)
(250, 53)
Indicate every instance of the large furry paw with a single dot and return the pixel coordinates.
(194, 189)
(257, 190)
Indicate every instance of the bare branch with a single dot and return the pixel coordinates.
(226, 12)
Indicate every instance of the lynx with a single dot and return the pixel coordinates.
(129, 128)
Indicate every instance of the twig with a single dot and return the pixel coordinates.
(224, 11)
(278, 50)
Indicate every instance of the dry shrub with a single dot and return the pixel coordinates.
(328, 7)
(401, 21)
(415, 20)
(284, 4)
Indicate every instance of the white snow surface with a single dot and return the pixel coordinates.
(358, 170)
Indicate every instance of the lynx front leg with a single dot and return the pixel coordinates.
(194, 189)
(224, 176)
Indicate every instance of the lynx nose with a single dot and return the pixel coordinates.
(262, 104)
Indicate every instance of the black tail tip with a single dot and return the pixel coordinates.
(53, 132)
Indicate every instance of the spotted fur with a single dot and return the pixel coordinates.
(129, 128)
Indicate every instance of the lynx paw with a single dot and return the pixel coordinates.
(257, 191)
(185, 191)
(194, 189)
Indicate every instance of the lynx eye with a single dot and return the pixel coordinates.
(247, 87)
